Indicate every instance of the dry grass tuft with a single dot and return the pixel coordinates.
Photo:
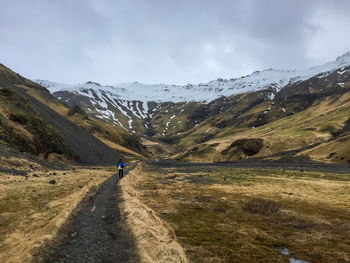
(261, 206)
(156, 194)
(155, 240)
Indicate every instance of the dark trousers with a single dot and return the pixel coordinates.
(121, 173)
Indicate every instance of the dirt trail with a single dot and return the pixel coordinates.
(98, 234)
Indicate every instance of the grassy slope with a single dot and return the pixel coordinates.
(301, 114)
(23, 128)
(113, 136)
(314, 125)
(337, 151)
(168, 128)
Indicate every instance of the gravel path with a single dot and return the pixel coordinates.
(98, 234)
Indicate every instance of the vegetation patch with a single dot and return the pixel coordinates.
(77, 110)
(249, 146)
(240, 149)
(198, 153)
(242, 215)
(260, 206)
(329, 128)
(19, 117)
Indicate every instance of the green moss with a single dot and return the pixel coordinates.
(18, 116)
(213, 227)
(6, 92)
(328, 128)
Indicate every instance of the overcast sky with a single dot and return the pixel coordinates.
(168, 41)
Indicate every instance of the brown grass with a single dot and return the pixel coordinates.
(260, 206)
(337, 151)
(311, 126)
(155, 239)
(32, 210)
(241, 215)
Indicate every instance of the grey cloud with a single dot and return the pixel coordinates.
(167, 41)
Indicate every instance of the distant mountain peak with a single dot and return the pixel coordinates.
(93, 83)
(205, 92)
(344, 58)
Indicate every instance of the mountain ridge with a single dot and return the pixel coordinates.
(265, 117)
(143, 113)
(202, 92)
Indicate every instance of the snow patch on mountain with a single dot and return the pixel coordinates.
(204, 92)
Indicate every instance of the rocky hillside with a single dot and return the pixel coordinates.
(191, 117)
(34, 121)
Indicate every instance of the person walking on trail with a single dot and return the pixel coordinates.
(121, 166)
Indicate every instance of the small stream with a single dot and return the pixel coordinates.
(285, 252)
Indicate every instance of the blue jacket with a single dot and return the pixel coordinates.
(121, 164)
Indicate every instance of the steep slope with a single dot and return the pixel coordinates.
(37, 122)
(111, 134)
(23, 128)
(21, 125)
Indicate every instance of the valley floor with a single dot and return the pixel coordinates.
(174, 212)
(223, 213)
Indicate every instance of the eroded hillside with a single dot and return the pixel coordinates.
(33, 120)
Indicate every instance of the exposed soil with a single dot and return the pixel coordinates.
(98, 233)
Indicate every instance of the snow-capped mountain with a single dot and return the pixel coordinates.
(133, 105)
(204, 92)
